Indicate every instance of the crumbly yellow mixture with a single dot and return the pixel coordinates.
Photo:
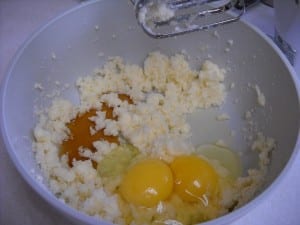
(164, 90)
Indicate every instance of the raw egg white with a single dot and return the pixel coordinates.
(189, 189)
(224, 156)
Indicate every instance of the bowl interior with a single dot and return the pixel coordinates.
(81, 40)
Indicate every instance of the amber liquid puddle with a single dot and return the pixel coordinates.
(80, 136)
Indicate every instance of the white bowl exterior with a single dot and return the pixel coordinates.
(55, 53)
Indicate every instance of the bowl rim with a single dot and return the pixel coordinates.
(82, 217)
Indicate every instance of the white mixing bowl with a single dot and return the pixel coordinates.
(72, 45)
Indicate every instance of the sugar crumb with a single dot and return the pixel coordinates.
(248, 115)
(38, 86)
(221, 143)
(230, 42)
(216, 34)
(227, 50)
(222, 117)
(53, 56)
(100, 54)
(261, 99)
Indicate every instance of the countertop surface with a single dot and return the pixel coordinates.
(19, 204)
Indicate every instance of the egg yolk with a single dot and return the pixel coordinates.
(194, 179)
(147, 183)
(80, 135)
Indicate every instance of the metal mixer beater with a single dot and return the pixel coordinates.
(167, 18)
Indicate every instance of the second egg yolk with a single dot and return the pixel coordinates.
(147, 183)
(194, 178)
